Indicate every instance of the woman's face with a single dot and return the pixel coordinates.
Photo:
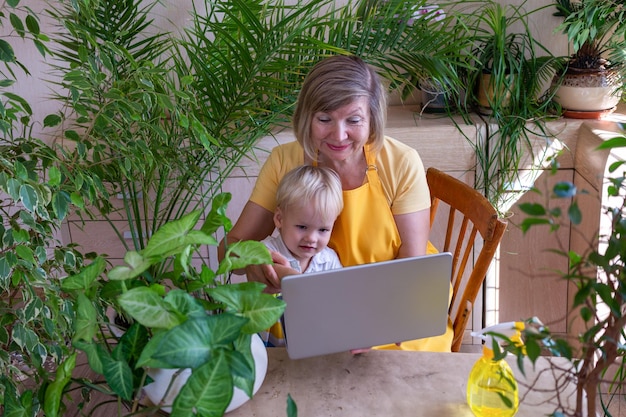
(341, 134)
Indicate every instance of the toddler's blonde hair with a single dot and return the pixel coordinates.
(311, 185)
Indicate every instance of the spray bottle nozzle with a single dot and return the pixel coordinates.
(511, 330)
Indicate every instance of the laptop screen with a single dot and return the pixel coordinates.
(366, 305)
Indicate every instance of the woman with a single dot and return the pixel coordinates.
(339, 123)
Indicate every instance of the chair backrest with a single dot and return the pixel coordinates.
(473, 233)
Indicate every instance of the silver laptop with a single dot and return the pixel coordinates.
(366, 305)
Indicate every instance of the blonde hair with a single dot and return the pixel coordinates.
(311, 185)
(333, 83)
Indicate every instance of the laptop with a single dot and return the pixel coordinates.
(366, 305)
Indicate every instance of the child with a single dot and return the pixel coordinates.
(308, 201)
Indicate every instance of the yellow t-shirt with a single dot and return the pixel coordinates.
(399, 166)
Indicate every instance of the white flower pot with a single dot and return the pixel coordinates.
(163, 377)
(588, 94)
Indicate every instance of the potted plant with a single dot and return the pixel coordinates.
(508, 68)
(37, 193)
(187, 318)
(598, 352)
(443, 92)
(414, 44)
(590, 83)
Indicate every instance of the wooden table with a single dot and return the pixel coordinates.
(387, 383)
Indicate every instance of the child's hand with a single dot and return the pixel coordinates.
(281, 266)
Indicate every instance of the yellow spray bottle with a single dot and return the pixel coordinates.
(492, 388)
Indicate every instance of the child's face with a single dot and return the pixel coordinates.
(303, 230)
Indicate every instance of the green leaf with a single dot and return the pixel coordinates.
(54, 176)
(84, 279)
(54, 391)
(17, 24)
(119, 376)
(72, 135)
(615, 165)
(95, 352)
(175, 235)
(533, 350)
(505, 400)
(194, 342)
(22, 102)
(4, 335)
(532, 209)
(146, 358)
(245, 253)
(617, 142)
(25, 253)
(52, 120)
(217, 216)
(585, 313)
(86, 324)
(28, 196)
(133, 342)
(77, 199)
(292, 408)
(184, 303)
(16, 405)
(137, 264)
(32, 25)
(242, 366)
(60, 204)
(610, 298)
(6, 51)
(208, 390)
(582, 294)
(145, 305)
(24, 337)
(574, 213)
(247, 300)
(529, 222)
(5, 268)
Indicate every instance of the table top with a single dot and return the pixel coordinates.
(391, 383)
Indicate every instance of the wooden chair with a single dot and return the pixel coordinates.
(469, 214)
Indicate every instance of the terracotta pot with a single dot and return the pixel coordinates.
(487, 90)
(583, 91)
(156, 390)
